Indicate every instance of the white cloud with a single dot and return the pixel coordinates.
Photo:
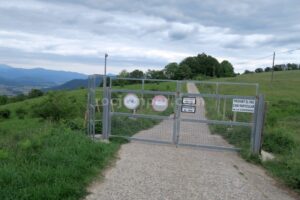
(143, 34)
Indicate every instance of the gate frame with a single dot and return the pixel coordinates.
(256, 124)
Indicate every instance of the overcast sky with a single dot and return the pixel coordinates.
(74, 35)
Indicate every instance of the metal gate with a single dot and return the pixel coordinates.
(184, 113)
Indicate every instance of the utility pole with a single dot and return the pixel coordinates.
(105, 104)
(273, 68)
(104, 78)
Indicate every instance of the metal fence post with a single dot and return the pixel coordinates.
(217, 92)
(224, 109)
(109, 110)
(177, 113)
(105, 104)
(259, 125)
(143, 88)
(254, 125)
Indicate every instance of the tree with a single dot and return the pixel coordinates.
(202, 64)
(56, 106)
(136, 74)
(247, 72)
(3, 99)
(183, 72)
(226, 69)
(19, 97)
(155, 74)
(268, 69)
(193, 64)
(292, 66)
(170, 70)
(123, 74)
(35, 93)
(4, 113)
(278, 67)
(258, 70)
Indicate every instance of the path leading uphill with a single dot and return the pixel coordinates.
(164, 172)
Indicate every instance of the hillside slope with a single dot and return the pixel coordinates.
(282, 128)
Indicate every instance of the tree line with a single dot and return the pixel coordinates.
(21, 97)
(279, 67)
(197, 67)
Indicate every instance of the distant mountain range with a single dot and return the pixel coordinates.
(16, 79)
(75, 84)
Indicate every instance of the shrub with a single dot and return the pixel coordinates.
(35, 93)
(75, 124)
(21, 112)
(55, 107)
(5, 113)
(279, 141)
(3, 99)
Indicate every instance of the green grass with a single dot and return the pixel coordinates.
(50, 163)
(282, 128)
(42, 159)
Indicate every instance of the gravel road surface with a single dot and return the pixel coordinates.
(164, 172)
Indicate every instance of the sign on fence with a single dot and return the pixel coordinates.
(160, 103)
(188, 109)
(189, 100)
(131, 101)
(243, 105)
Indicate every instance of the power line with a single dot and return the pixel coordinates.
(271, 55)
(290, 51)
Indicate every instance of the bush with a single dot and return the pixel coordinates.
(3, 99)
(55, 107)
(5, 113)
(21, 112)
(75, 124)
(279, 141)
(35, 93)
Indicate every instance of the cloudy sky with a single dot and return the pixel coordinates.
(75, 34)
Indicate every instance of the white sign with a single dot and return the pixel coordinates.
(131, 101)
(243, 105)
(160, 103)
(189, 100)
(188, 109)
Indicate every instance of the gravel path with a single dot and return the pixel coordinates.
(164, 172)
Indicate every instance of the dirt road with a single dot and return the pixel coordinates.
(161, 172)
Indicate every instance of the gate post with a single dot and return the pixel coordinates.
(177, 106)
(105, 116)
(256, 139)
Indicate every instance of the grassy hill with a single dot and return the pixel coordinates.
(282, 128)
(50, 157)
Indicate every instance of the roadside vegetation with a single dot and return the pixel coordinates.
(44, 150)
(21, 97)
(45, 153)
(281, 131)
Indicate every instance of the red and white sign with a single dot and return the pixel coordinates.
(160, 103)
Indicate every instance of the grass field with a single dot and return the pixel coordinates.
(48, 159)
(282, 128)
(43, 159)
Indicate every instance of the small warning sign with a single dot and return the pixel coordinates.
(189, 100)
(188, 109)
(243, 105)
